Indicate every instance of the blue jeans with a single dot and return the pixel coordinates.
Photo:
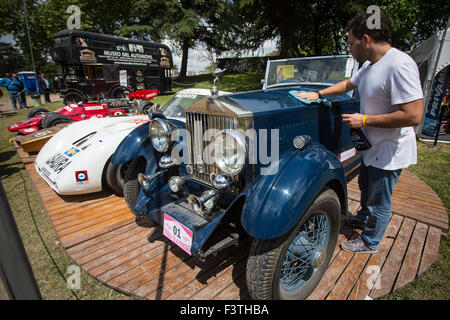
(377, 186)
(13, 95)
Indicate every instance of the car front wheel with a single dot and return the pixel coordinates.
(53, 118)
(131, 186)
(290, 267)
(115, 176)
(36, 112)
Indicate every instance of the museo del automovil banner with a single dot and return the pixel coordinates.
(136, 57)
(434, 103)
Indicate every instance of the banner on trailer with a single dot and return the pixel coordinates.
(434, 103)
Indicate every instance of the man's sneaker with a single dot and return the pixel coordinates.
(355, 222)
(357, 246)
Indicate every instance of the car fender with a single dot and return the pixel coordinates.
(275, 203)
(66, 91)
(138, 143)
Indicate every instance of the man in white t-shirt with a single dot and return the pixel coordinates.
(391, 104)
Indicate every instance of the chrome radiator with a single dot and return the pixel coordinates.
(197, 124)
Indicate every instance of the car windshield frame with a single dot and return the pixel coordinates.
(169, 107)
(350, 70)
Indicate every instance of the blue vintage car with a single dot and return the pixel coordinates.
(260, 164)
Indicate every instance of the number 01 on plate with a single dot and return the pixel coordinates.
(177, 233)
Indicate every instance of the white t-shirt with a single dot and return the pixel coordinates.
(392, 80)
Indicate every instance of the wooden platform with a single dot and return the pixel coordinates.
(103, 237)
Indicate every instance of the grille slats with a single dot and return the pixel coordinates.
(197, 124)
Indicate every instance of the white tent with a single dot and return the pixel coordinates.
(433, 57)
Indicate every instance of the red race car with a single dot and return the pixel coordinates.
(41, 118)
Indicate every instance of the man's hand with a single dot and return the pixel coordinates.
(353, 120)
(308, 95)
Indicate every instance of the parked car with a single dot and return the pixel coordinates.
(77, 159)
(274, 170)
(40, 118)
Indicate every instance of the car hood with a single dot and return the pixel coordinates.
(91, 142)
(270, 101)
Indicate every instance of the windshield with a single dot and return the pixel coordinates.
(175, 107)
(317, 69)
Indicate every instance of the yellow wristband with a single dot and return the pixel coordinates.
(364, 120)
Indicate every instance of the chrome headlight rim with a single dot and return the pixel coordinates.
(167, 133)
(239, 137)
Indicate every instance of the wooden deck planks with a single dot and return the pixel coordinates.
(430, 250)
(106, 240)
(410, 265)
(394, 260)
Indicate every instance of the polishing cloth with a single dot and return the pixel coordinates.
(322, 101)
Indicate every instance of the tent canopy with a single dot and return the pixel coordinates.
(432, 57)
(426, 56)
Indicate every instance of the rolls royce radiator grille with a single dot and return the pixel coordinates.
(197, 124)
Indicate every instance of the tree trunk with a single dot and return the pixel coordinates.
(184, 59)
(288, 26)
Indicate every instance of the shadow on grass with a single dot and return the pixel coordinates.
(4, 156)
(9, 169)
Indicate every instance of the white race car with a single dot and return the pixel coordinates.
(77, 160)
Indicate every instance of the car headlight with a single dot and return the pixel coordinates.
(229, 151)
(160, 134)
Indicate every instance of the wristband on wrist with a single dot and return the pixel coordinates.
(364, 120)
(320, 96)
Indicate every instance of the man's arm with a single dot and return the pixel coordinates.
(334, 90)
(408, 115)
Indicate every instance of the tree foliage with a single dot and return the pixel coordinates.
(187, 23)
(319, 27)
(11, 59)
(300, 27)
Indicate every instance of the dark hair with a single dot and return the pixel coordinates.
(359, 27)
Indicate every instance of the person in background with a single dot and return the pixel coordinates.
(45, 86)
(22, 92)
(15, 88)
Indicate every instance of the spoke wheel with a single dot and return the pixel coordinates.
(306, 254)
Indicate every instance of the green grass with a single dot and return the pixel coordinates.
(5, 96)
(49, 260)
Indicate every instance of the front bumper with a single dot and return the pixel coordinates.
(158, 200)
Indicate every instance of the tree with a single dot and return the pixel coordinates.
(319, 27)
(11, 59)
(414, 21)
(301, 27)
(188, 23)
(46, 17)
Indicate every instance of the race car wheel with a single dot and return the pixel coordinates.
(35, 112)
(115, 175)
(131, 186)
(290, 267)
(53, 118)
(73, 97)
(119, 92)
